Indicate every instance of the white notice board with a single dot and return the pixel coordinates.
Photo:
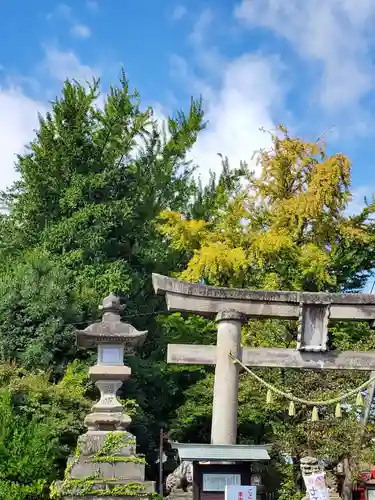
(218, 482)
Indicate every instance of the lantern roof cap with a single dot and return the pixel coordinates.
(110, 330)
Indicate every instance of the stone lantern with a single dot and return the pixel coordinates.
(110, 337)
(106, 463)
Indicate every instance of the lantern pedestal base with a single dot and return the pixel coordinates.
(108, 413)
(107, 421)
(105, 462)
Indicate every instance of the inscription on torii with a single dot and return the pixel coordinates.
(232, 307)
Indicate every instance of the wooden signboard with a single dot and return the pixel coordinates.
(209, 480)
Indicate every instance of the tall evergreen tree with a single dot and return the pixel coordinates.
(81, 224)
(91, 185)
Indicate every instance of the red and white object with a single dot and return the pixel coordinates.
(240, 492)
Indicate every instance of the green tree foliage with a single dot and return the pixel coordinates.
(105, 198)
(38, 308)
(39, 423)
(93, 181)
(286, 228)
(82, 223)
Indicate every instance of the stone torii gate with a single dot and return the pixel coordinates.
(233, 307)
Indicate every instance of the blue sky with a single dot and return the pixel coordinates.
(309, 65)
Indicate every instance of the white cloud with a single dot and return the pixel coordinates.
(335, 33)
(207, 56)
(61, 11)
(81, 31)
(239, 98)
(19, 113)
(178, 12)
(236, 112)
(204, 22)
(92, 5)
(65, 64)
(18, 119)
(65, 12)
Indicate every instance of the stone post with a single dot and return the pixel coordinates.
(225, 402)
(105, 464)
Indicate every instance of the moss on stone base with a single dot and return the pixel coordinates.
(86, 487)
(96, 486)
(118, 458)
(113, 443)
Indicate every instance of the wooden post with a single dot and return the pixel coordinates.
(161, 481)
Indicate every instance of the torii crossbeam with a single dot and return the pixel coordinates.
(233, 307)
